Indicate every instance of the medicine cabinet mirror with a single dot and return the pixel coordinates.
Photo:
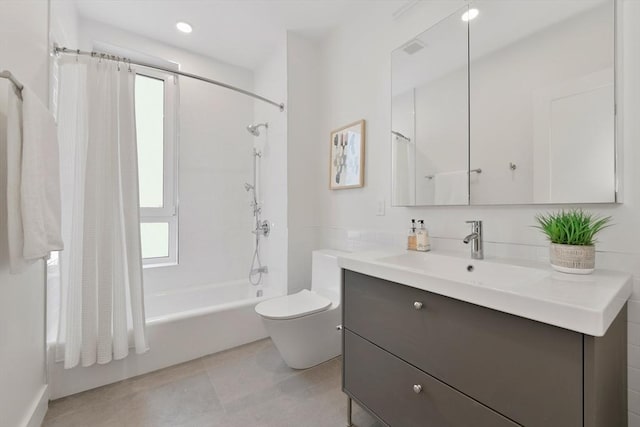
(507, 103)
(429, 120)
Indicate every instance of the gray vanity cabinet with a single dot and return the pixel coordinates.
(433, 404)
(473, 366)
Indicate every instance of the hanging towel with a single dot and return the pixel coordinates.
(451, 188)
(40, 186)
(33, 193)
(17, 263)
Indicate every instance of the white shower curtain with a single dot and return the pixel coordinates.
(102, 311)
(404, 176)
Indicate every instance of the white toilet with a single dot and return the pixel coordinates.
(303, 325)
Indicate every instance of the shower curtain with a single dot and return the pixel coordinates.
(102, 306)
(404, 171)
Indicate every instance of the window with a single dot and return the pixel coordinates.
(156, 117)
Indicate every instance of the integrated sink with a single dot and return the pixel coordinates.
(586, 304)
(464, 270)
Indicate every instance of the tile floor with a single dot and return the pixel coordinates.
(245, 386)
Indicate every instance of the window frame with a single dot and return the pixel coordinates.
(168, 213)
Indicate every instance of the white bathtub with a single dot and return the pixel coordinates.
(182, 325)
(180, 304)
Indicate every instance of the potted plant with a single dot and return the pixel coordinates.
(572, 240)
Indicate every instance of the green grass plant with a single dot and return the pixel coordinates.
(573, 227)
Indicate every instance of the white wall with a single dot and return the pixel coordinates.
(23, 391)
(356, 64)
(271, 82)
(214, 152)
(64, 23)
(304, 169)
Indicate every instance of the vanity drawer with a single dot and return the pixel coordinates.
(528, 371)
(382, 381)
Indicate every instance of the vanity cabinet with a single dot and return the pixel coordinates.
(416, 358)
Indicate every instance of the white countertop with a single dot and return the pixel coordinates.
(583, 303)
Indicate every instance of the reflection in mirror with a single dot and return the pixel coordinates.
(430, 112)
(542, 102)
(403, 148)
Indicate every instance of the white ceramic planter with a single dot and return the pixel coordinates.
(572, 259)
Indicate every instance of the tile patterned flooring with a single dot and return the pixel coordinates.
(245, 386)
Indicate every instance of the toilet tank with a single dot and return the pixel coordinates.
(325, 272)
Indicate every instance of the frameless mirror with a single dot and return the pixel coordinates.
(542, 102)
(429, 119)
(507, 103)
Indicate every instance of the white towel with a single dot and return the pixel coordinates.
(33, 194)
(17, 263)
(451, 188)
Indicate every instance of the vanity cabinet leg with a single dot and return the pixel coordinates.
(349, 406)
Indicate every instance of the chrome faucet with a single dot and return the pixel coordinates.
(475, 238)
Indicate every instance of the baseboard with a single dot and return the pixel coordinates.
(40, 408)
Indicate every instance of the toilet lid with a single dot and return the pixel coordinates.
(301, 304)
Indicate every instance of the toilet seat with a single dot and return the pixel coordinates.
(292, 306)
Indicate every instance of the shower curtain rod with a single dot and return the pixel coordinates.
(100, 55)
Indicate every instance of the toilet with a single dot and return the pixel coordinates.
(303, 325)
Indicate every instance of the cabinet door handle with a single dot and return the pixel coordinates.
(417, 305)
(417, 388)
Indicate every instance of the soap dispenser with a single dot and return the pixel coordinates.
(422, 238)
(411, 238)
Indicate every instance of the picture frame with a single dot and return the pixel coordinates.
(346, 156)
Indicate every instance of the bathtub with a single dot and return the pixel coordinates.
(169, 306)
(182, 325)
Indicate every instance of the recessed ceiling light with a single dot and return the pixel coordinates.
(184, 27)
(470, 14)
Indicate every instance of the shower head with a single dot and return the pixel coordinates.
(254, 129)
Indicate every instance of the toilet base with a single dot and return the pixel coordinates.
(307, 341)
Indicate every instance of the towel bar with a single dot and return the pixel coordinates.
(471, 171)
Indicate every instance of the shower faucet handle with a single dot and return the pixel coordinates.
(263, 228)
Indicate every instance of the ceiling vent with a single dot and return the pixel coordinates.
(413, 46)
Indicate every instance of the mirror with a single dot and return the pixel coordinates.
(429, 119)
(539, 126)
(542, 102)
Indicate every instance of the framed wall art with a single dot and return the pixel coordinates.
(346, 161)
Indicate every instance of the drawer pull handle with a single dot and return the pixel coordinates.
(417, 305)
(417, 388)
